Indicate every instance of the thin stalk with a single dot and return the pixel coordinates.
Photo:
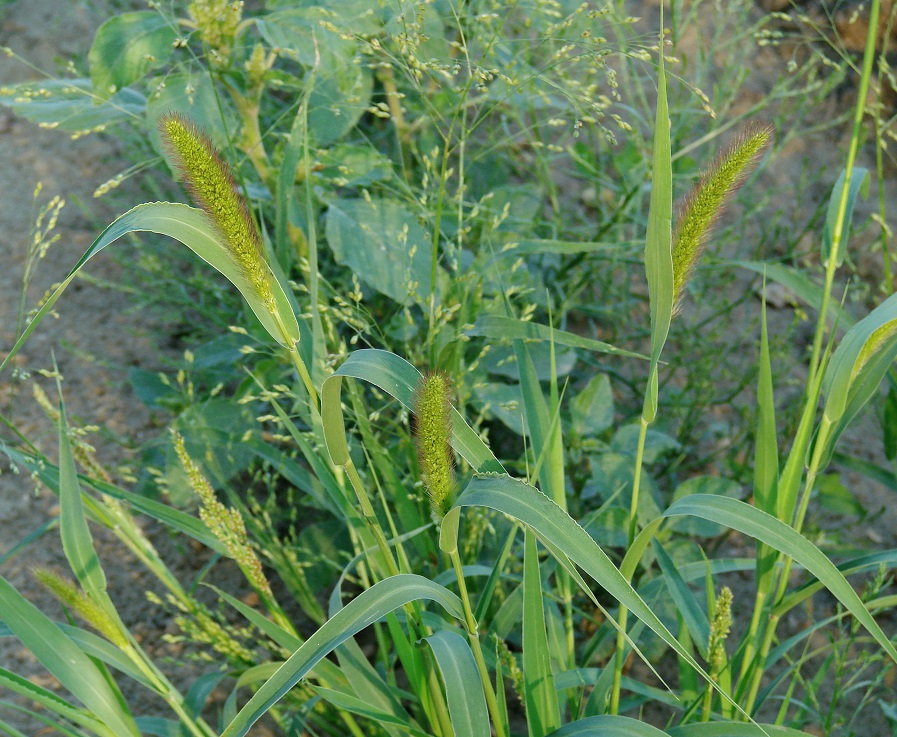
(838, 231)
(633, 522)
(473, 637)
(434, 249)
(794, 464)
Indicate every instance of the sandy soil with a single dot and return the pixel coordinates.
(95, 323)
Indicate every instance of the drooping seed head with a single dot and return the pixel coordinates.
(212, 186)
(702, 206)
(432, 434)
(81, 604)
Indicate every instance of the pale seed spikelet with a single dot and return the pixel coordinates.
(226, 524)
(720, 624)
(432, 435)
(82, 605)
(700, 209)
(213, 188)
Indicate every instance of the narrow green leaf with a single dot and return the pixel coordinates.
(692, 614)
(387, 721)
(608, 725)
(542, 714)
(71, 105)
(65, 661)
(658, 242)
(733, 729)
(50, 701)
(368, 607)
(759, 525)
(463, 689)
(500, 327)
(77, 542)
(558, 530)
(398, 378)
(859, 180)
(192, 228)
(544, 429)
(857, 367)
(766, 456)
(804, 288)
(367, 683)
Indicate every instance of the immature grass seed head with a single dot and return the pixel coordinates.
(213, 188)
(705, 202)
(81, 604)
(432, 434)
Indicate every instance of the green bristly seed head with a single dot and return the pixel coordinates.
(82, 605)
(213, 188)
(432, 434)
(706, 201)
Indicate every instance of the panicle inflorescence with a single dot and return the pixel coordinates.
(432, 434)
(226, 524)
(720, 624)
(704, 203)
(212, 186)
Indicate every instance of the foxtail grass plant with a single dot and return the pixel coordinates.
(405, 578)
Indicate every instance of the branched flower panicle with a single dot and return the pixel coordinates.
(225, 523)
(217, 22)
(720, 624)
(432, 434)
(212, 186)
(702, 206)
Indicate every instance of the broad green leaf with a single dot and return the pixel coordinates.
(859, 180)
(463, 688)
(195, 96)
(192, 228)
(342, 87)
(368, 607)
(541, 697)
(500, 327)
(761, 526)
(65, 661)
(658, 242)
(592, 409)
(608, 725)
(384, 244)
(399, 379)
(70, 104)
(77, 542)
(126, 47)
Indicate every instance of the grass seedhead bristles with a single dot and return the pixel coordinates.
(213, 188)
(432, 434)
(705, 202)
(81, 604)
